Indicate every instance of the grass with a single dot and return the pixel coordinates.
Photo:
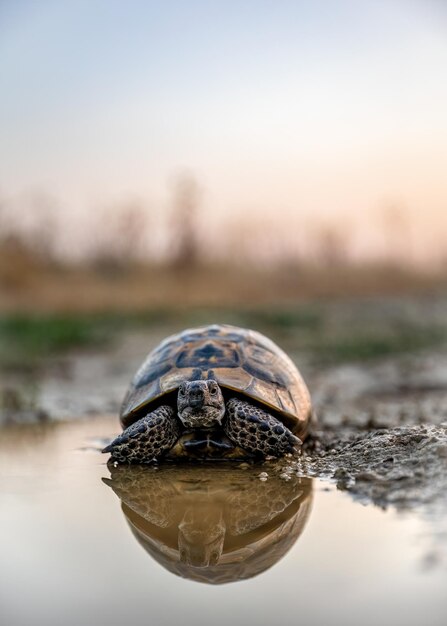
(44, 335)
(54, 333)
(27, 340)
(359, 346)
(36, 337)
(279, 321)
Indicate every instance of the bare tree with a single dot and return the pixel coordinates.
(117, 239)
(396, 233)
(331, 245)
(3, 220)
(131, 225)
(43, 226)
(185, 241)
(30, 225)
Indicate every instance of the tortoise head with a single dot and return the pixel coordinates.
(201, 535)
(200, 404)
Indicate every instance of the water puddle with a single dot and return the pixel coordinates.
(84, 543)
(212, 524)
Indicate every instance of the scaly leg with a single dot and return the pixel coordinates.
(146, 439)
(256, 431)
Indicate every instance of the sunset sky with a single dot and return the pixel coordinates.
(286, 109)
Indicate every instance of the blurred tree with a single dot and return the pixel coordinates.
(16, 256)
(118, 236)
(185, 251)
(3, 219)
(396, 233)
(331, 245)
(42, 229)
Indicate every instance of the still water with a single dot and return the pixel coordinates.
(81, 543)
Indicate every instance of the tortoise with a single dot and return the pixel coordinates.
(217, 391)
(212, 527)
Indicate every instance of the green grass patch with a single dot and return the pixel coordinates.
(283, 319)
(360, 346)
(44, 335)
(277, 321)
(27, 340)
(36, 335)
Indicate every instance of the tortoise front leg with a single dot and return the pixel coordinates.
(256, 431)
(146, 439)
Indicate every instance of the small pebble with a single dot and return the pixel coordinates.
(263, 476)
(285, 476)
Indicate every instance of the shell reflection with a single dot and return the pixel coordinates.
(212, 524)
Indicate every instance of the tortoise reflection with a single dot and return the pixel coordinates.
(212, 524)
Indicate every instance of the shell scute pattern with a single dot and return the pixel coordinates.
(238, 359)
(268, 375)
(208, 354)
(153, 373)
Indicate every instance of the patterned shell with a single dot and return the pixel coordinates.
(238, 359)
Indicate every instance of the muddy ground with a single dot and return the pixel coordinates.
(381, 403)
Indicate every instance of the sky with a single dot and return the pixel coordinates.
(283, 111)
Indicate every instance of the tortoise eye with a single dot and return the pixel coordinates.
(213, 388)
(181, 389)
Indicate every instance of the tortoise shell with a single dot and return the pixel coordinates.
(241, 360)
